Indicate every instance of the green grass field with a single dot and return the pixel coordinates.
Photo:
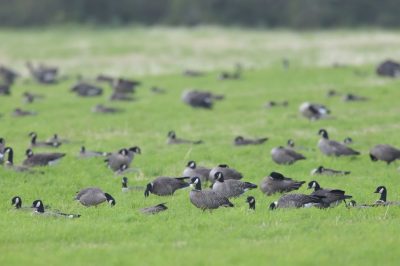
(183, 234)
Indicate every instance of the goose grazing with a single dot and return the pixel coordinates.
(123, 156)
(18, 112)
(326, 171)
(383, 152)
(38, 206)
(102, 109)
(126, 188)
(333, 148)
(252, 202)
(241, 141)
(94, 196)
(41, 159)
(313, 111)
(10, 162)
(43, 74)
(88, 154)
(85, 89)
(330, 197)
(296, 201)
(192, 170)
(172, 139)
(154, 209)
(282, 155)
(231, 187)
(165, 186)
(200, 99)
(278, 183)
(228, 173)
(35, 143)
(206, 199)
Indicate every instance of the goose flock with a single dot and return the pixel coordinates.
(210, 187)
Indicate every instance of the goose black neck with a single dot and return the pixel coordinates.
(383, 196)
(10, 155)
(197, 186)
(33, 140)
(40, 209)
(252, 205)
(124, 185)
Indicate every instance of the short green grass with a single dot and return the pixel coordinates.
(183, 234)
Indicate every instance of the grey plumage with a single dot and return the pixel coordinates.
(87, 154)
(94, 196)
(173, 139)
(18, 112)
(122, 157)
(35, 143)
(192, 170)
(2, 147)
(231, 187)
(333, 148)
(241, 141)
(154, 209)
(200, 99)
(330, 197)
(10, 162)
(313, 111)
(38, 206)
(85, 89)
(229, 173)
(43, 74)
(326, 171)
(296, 201)
(206, 199)
(278, 183)
(165, 186)
(282, 155)
(384, 153)
(41, 159)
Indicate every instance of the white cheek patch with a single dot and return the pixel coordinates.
(16, 200)
(381, 190)
(196, 181)
(308, 205)
(38, 204)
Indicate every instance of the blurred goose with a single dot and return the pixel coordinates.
(126, 188)
(2, 147)
(282, 155)
(291, 145)
(348, 141)
(120, 96)
(43, 74)
(201, 99)
(41, 159)
(8, 75)
(383, 152)
(165, 186)
(124, 156)
(85, 89)
(331, 197)
(94, 196)
(157, 90)
(241, 141)
(332, 93)
(326, 171)
(35, 143)
(87, 154)
(172, 139)
(192, 73)
(278, 183)
(252, 202)
(100, 108)
(383, 198)
(236, 74)
(124, 169)
(121, 85)
(31, 97)
(10, 162)
(271, 104)
(231, 187)
(296, 201)
(56, 139)
(333, 148)
(353, 98)
(5, 89)
(313, 111)
(39, 209)
(206, 199)
(193, 170)
(18, 112)
(388, 68)
(228, 173)
(154, 209)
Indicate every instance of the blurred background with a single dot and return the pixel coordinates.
(301, 14)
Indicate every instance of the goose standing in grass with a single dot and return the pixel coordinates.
(35, 143)
(231, 187)
(296, 201)
(10, 162)
(229, 173)
(38, 206)
(333, 148)
(173, 139)
(206, 199)
(252, 202)
(41, 159)
(192, 170)
(278, 183)
(94, 196)
(154, 209)
(282, 155)
(326, 171)
(313, 111)
(88, 154)
(165, 186)
(241, 141)
(383, 152)
(331, 197)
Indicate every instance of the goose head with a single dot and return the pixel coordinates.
(191, 164)
(16, 202)
(322, 132)
(195, 183)
(172, 134)
(38, 206)
(252, 202)
(110, 199)
(219, 177)
(313, 184)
